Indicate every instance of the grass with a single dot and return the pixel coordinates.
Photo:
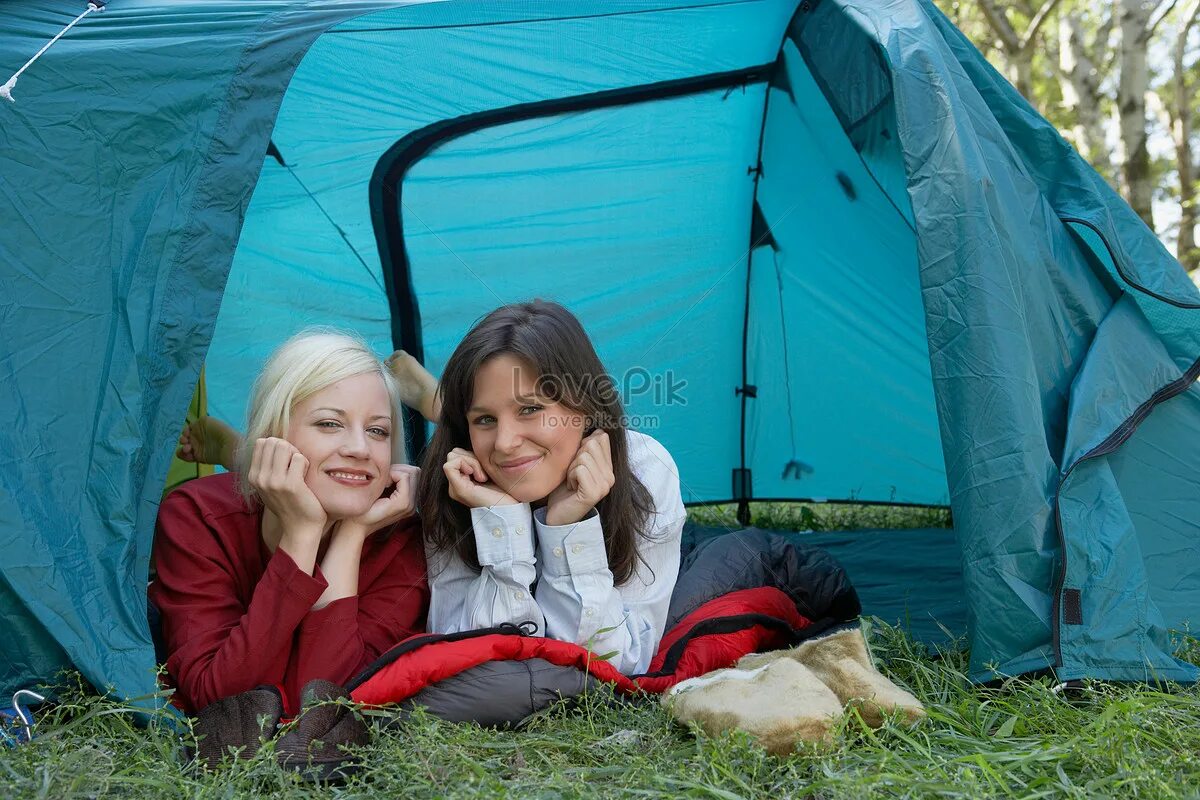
(1019, 740)
(824, 516)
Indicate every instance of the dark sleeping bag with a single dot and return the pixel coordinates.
(744, 592)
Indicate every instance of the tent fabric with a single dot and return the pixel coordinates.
(1005, 289)
(767, 265)
(668, 180)
(831, 306)
(128, 159)
(908, 578)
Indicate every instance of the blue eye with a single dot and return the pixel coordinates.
(486, 419)
(527, 410)
(328, 423)
(382, 433)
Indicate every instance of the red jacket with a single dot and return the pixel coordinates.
(236, 616)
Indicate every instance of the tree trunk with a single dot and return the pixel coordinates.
(1021, 64)
(1131, 106)
(1080, 86)
(1180, 110)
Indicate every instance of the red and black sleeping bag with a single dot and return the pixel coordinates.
(743, 592)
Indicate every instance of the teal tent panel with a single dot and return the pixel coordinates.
(1124, 366)
(1168, 349)
(123, 187)
(1156, 472)
(1119, 632)
(31, 652)
(362, 88)
(1175, 320)
(632, 216)
(380, 78)
(1078, 194)
(1120, 567)
(292, 270)
(855, 81)
(466, 16)
(1011, 307)
(837, 351)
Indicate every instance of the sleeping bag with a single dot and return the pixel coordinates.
(745, 592)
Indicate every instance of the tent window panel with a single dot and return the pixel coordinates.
(838, 346)
(633, 216)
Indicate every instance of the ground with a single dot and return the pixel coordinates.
(1024, 739)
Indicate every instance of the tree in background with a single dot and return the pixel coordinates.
(1182, 108)
(1120, 79)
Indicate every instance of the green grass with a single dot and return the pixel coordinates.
(1020, 740)
(824, 516)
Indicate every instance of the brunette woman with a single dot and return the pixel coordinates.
(537, 503)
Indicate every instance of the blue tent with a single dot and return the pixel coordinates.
(826, 250)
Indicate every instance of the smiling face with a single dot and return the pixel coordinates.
(524, 441)
(345, 432)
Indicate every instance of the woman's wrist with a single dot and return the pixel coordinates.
(301, 542)
(557, 516)
(504, 502)
(299, 524)
(352, 529)
(301, 533)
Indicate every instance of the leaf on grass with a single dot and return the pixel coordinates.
(1006, 730)
(621, 738)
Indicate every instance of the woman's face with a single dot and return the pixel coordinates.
(524, 441)
(345, 432)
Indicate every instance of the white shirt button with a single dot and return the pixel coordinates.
(518, 594)
(588, 613)
(577, 547)
(497, 533)
(558, 551)
(520, 529)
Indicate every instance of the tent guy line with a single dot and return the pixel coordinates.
(11, 83)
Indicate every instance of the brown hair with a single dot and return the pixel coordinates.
(550, 339)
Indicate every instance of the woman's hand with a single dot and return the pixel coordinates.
(469, 484)
(390, 508)
(277, 472)
(589, 480)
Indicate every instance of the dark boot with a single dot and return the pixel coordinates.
(239, 723)
(316, 744)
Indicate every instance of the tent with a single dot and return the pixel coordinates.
(825, 250)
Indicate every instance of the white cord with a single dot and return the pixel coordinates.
(6, 89)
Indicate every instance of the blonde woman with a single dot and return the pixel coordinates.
(307, 561)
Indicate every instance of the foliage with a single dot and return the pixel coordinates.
(1038, 45)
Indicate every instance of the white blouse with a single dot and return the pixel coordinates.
(557, 576)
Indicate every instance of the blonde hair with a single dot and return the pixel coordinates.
(310, 361)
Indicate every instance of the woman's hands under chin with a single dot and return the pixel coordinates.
(277, 471)
(589, 480)
(469, 484)
(388, 509)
